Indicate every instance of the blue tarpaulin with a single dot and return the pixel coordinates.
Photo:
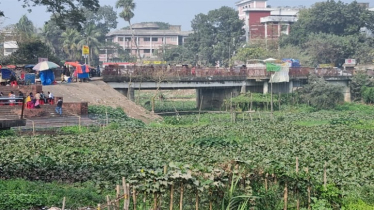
(6, 73)
(47, 77)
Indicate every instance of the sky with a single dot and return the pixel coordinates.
(175, 12)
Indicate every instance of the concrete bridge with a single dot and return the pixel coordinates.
(213, 87)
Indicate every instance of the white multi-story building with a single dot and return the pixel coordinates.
(10, 47)
(148, 37)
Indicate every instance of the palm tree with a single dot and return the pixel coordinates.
(70, 40)
(127, 14)
(90, 38)
(25, 29)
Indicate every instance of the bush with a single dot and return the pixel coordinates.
(21, 194)
(367, 94)
(320, 94)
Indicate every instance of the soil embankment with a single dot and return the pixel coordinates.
(100, 93)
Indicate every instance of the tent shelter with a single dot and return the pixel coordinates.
(81, 71)
(47, 77)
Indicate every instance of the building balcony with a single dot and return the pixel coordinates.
(278, 18)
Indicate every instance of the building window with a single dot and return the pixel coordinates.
(173, 38)
(147, 39)
(127, 51)
(154, 39)
(147, 51)
(127, 39)
(120, 39)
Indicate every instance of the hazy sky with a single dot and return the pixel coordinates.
(176, 12)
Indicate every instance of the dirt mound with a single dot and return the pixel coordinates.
(100, 93)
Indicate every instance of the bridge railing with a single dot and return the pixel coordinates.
(163, 72)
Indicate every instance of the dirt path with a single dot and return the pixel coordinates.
(99, 93)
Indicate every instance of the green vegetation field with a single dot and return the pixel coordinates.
(207, 154)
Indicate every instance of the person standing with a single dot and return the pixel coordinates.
(59, 107)
(50, 97)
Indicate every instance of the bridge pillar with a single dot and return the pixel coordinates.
(213, 98)
(128, 92)
(347, 93)
(265, 88)
(290, 86)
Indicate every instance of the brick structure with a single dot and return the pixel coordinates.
(263, 22)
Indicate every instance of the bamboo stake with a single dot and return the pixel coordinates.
(117, 196)
(154, 201)
(197, 200)
(98, 207)
(134, 197)
(108, 202)
(210, 201)
(201, 103)
(124, 192)
(63, 203)
(285, 196)
(127, 196)
(181, 198)
(309, 199)
(297, 190)
(325, 176)
(171, 196)
(266, 182)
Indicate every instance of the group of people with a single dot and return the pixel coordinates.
(33, 101)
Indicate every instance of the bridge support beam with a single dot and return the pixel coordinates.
(128, 92)
(347, 93)
(265, 88)
(213, 98)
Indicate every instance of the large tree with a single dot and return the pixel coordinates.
(127, 14)
(90, 38)
(330, 17)
(67, 12)
(216, 36)
(104, 19)
(24, 29)
(70, 39)
(29, 52)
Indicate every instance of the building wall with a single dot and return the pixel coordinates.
(256, 28)
(147, 44)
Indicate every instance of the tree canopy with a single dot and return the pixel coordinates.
(29, 52)
(330, 17)
(67, 12)
(215, 36)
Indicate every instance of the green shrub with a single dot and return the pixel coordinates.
(21, 194)
(6, 133)
(367, 94)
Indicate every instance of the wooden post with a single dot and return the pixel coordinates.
(181, 198)
(108, 202)
(279, 101)
(325, 176)
(63, 203)
(124, 186)
(266, 182)
(231, 108)
(309, 199)
(106, 116)
(117, 196)
(210, 201)
(201, 103)
(171, 196)
(197, 200)
(127, 196)
(154, 201)
(134, 197)
(297, 190)
(98, 207)
(33, 128)
(285, 196)
(250, 109)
